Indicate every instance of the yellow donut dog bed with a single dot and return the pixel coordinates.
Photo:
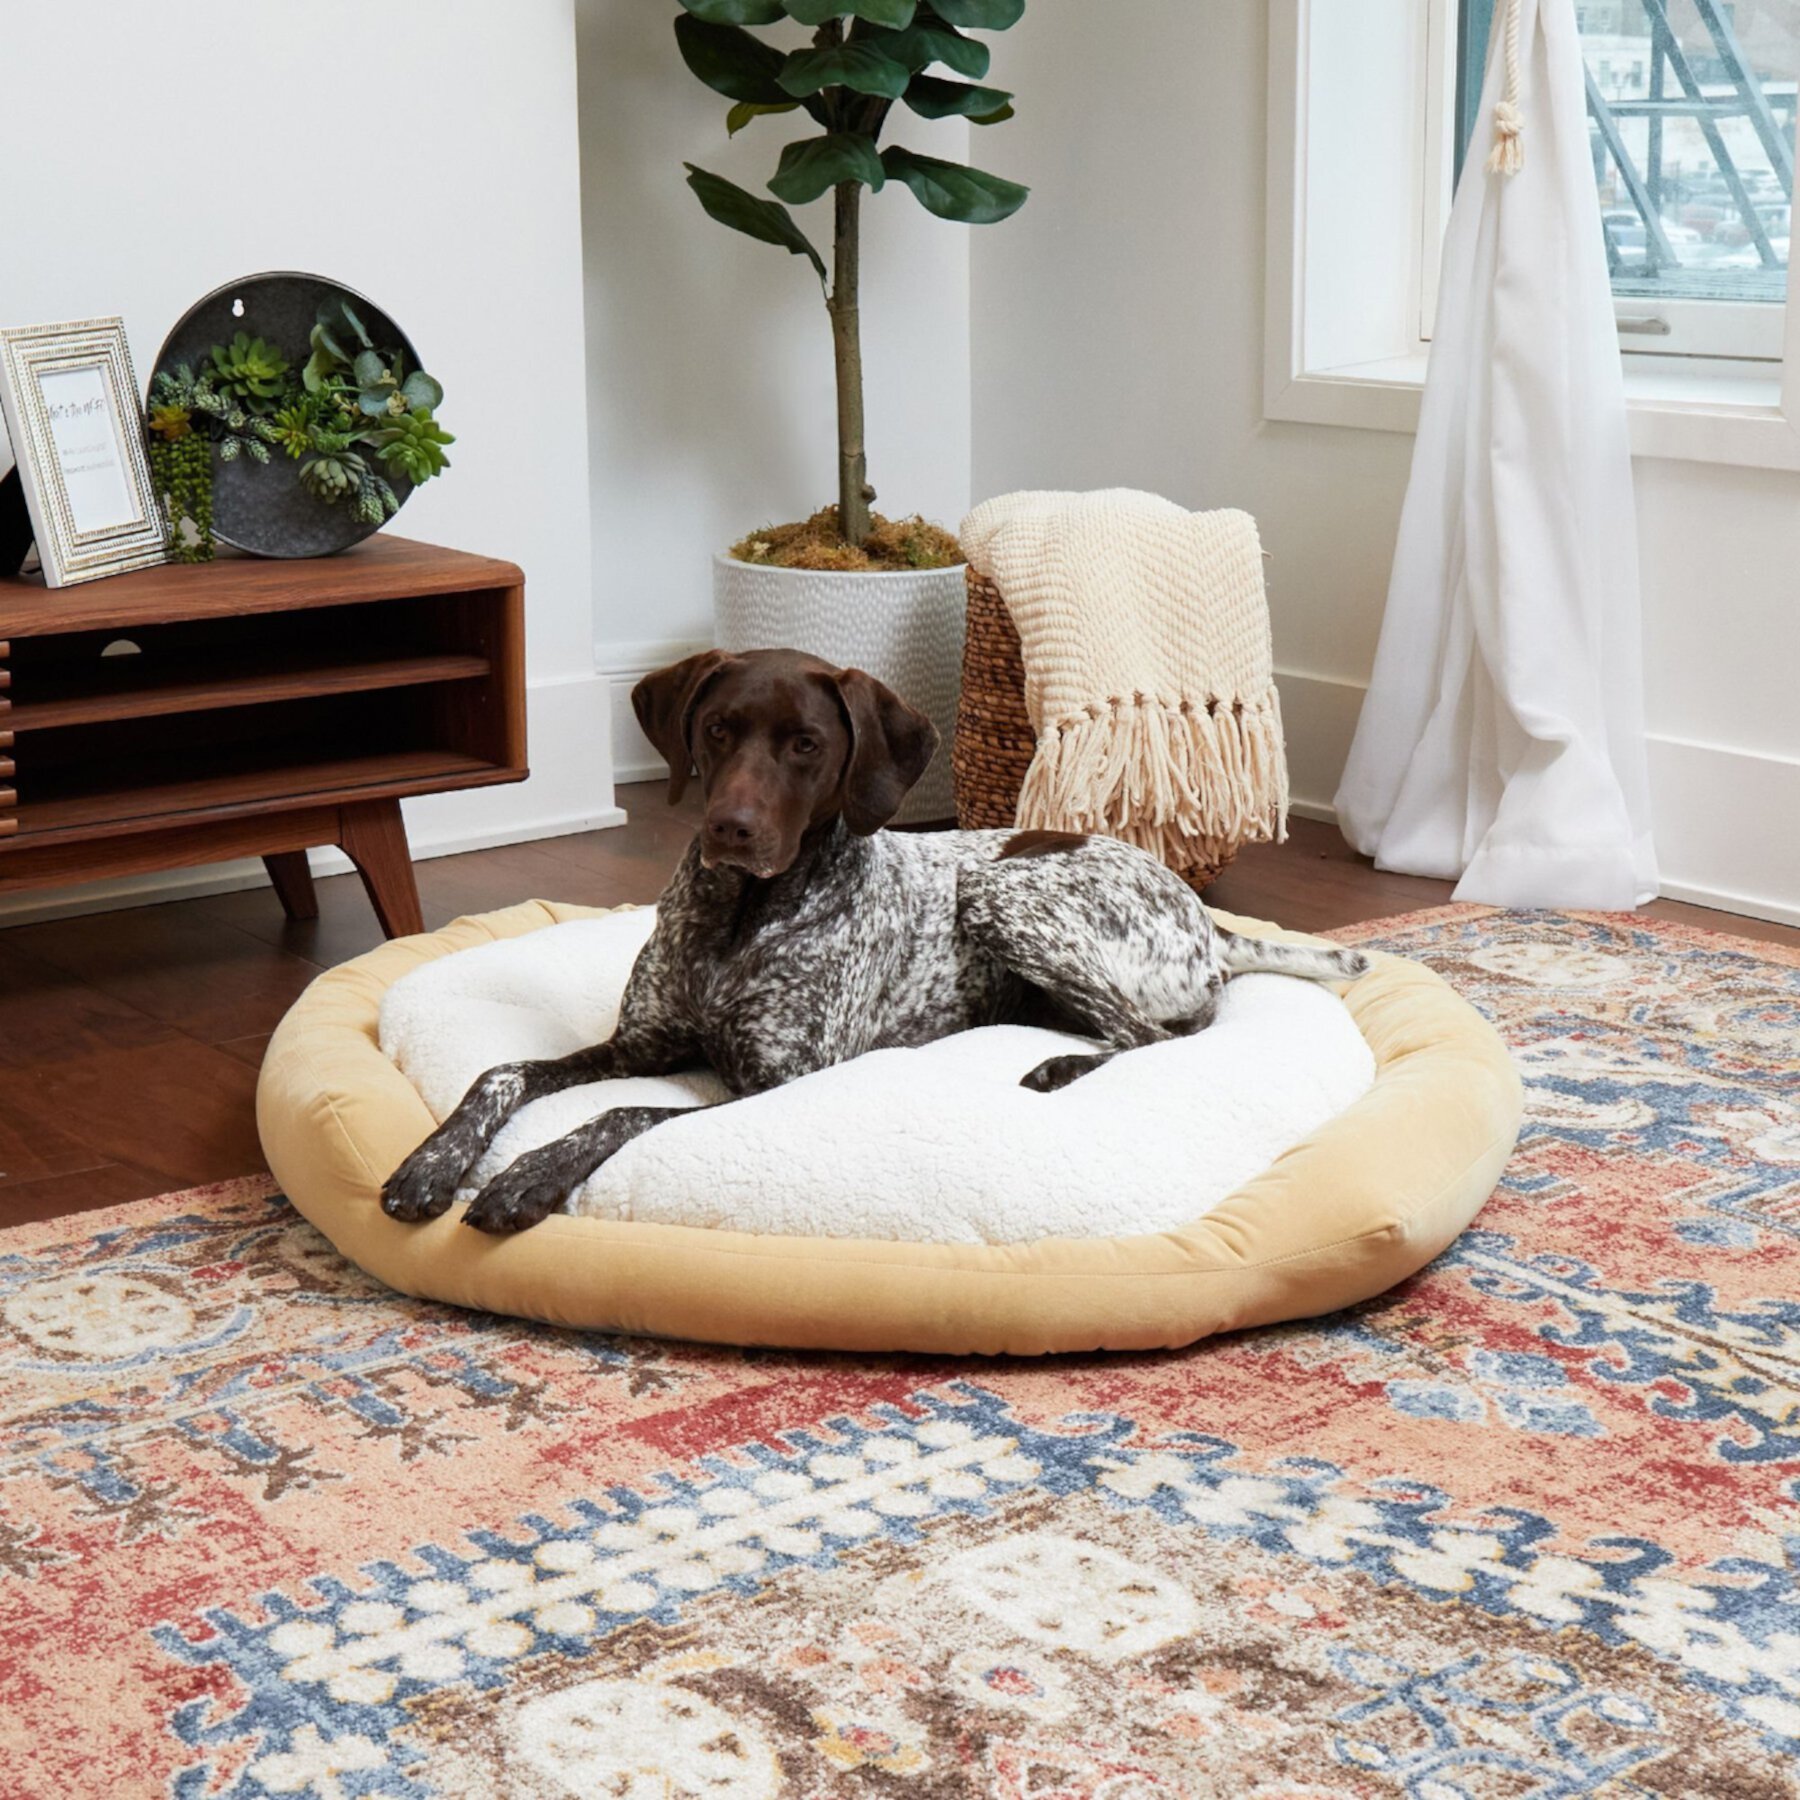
(1366, 1200)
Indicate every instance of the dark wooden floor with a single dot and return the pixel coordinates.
(129, 1041)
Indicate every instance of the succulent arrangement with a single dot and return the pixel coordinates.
(863, 58)
(351, 414)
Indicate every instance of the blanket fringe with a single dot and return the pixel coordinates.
(1188, 783)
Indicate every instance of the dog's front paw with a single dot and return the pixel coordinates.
(424, 1185)
(519, 1197)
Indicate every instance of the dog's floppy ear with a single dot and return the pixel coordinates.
(664, 704)
(891, 744)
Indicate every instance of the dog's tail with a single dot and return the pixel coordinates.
(1261, 956)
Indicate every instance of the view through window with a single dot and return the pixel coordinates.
(1691, 126)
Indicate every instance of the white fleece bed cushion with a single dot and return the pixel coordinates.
(935, 1145)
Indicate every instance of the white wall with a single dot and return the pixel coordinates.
(1116, 329)
(457, 208)
(709, 354)
(1117, 338)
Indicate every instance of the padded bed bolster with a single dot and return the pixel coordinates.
(1365, 1201)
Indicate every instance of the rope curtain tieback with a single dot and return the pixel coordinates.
(1508, 154)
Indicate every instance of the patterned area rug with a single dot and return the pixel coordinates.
(1527, 1526)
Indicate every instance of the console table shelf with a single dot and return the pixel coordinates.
(191, 714)
(120, 691)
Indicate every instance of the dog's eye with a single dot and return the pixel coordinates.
(804, 746)
(716, 731)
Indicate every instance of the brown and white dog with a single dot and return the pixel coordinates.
(797, 933)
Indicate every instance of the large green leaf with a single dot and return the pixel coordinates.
(969, 196)
(736, 12)
(859, 66)
(975, 15)
(757, 218)
(814, 165)
(928, 40)
(931, 98)
(730, 61)
(897, 13)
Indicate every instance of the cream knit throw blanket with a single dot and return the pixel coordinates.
(1148, 669)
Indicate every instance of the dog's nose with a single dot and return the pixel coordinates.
(731, 829)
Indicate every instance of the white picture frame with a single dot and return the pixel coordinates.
(74, 415)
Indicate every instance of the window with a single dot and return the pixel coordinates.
(1691, 109)
(1372, 104)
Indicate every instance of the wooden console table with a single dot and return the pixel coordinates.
(190, 714)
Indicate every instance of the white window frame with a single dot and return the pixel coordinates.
(1361, 105)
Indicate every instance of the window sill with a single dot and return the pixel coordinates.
(1683, 409)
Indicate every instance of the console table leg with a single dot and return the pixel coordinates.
(373, 835)
(292, 876)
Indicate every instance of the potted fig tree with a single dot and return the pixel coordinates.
(848, 584)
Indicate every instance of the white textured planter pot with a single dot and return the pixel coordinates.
(904, 628)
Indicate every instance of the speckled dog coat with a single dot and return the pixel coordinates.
(864, 943)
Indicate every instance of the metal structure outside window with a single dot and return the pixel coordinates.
(1734, 241)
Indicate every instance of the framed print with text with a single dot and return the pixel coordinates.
(74, 416)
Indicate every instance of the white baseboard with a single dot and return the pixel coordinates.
(1318, 715)
(624, 665)
(570, 790)
(1725, 827)
(1747, 906)
(1717, 810)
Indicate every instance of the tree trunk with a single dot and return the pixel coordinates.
(854, 492)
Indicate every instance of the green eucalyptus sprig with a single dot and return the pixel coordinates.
(345, 361)
(352, 391)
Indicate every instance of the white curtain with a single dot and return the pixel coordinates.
(1502, 738)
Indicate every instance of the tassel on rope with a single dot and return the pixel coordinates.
(1508, 155)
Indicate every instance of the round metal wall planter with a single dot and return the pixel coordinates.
(258, 507)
